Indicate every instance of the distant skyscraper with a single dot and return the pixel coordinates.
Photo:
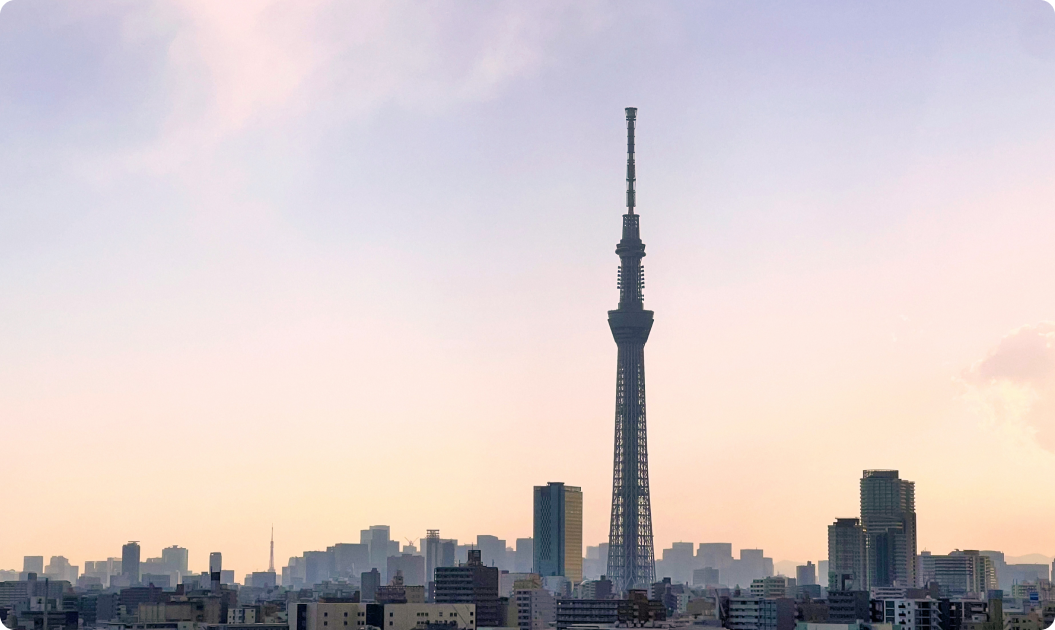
(130, 562)
(846, 555)
(715, 555)
(378, 537)
(631, 557)
(33, 564)
(175, 559)
(806, 574)
(432, 554)
(888, 516)
(492, 550)
(557, 537)
(215, 562)
(525, 555)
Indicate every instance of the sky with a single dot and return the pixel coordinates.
(324, 265)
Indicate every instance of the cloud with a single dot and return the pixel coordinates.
(161, 85)
(1013, 387)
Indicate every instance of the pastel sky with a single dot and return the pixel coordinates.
(330, 264)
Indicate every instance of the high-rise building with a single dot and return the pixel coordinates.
(492, 550)
(130, 562)
(715, 555)
(349, 559)
(319, 566)
(806, 574)
(432, 555)
(557, 536)
(412, 568)
(369, 582)
(525, 555)
(471, 583)
(846, 556)
(631, 556)
(33, 564)
(888, 516)
(378, 538)
(175, 559)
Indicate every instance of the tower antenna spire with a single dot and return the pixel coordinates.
(271, 563)
(631, 171)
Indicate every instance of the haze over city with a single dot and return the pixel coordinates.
(324, 265)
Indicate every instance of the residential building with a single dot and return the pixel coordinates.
(536, 608)
(848, 606)
(888, 516)
(601, 612)
(471, 583)
(959, 574)
(772, 587)
(846, 556)
(557, 536)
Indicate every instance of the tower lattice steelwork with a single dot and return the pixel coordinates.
(631, 560)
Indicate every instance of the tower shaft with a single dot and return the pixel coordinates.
(631, 557)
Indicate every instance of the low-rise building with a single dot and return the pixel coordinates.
(428, 616)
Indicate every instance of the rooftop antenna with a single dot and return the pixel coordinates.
(631, 171)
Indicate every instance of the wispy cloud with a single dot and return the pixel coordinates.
(1013, 387)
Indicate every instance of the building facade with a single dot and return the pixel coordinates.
(888, 516)
(557, 540)
(130, 562)
(846, 556)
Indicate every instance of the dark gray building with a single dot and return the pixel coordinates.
(130, 562)
(471, 583)
(848, 606)
(846, 555)
(370, 582)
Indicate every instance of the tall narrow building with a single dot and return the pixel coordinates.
(888, 517)
(557, 545)
(846, 556)
(631, 558)
(130, 562)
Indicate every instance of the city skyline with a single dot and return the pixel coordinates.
(245, 247)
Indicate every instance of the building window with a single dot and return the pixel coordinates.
(345, 614)
(326, 623)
